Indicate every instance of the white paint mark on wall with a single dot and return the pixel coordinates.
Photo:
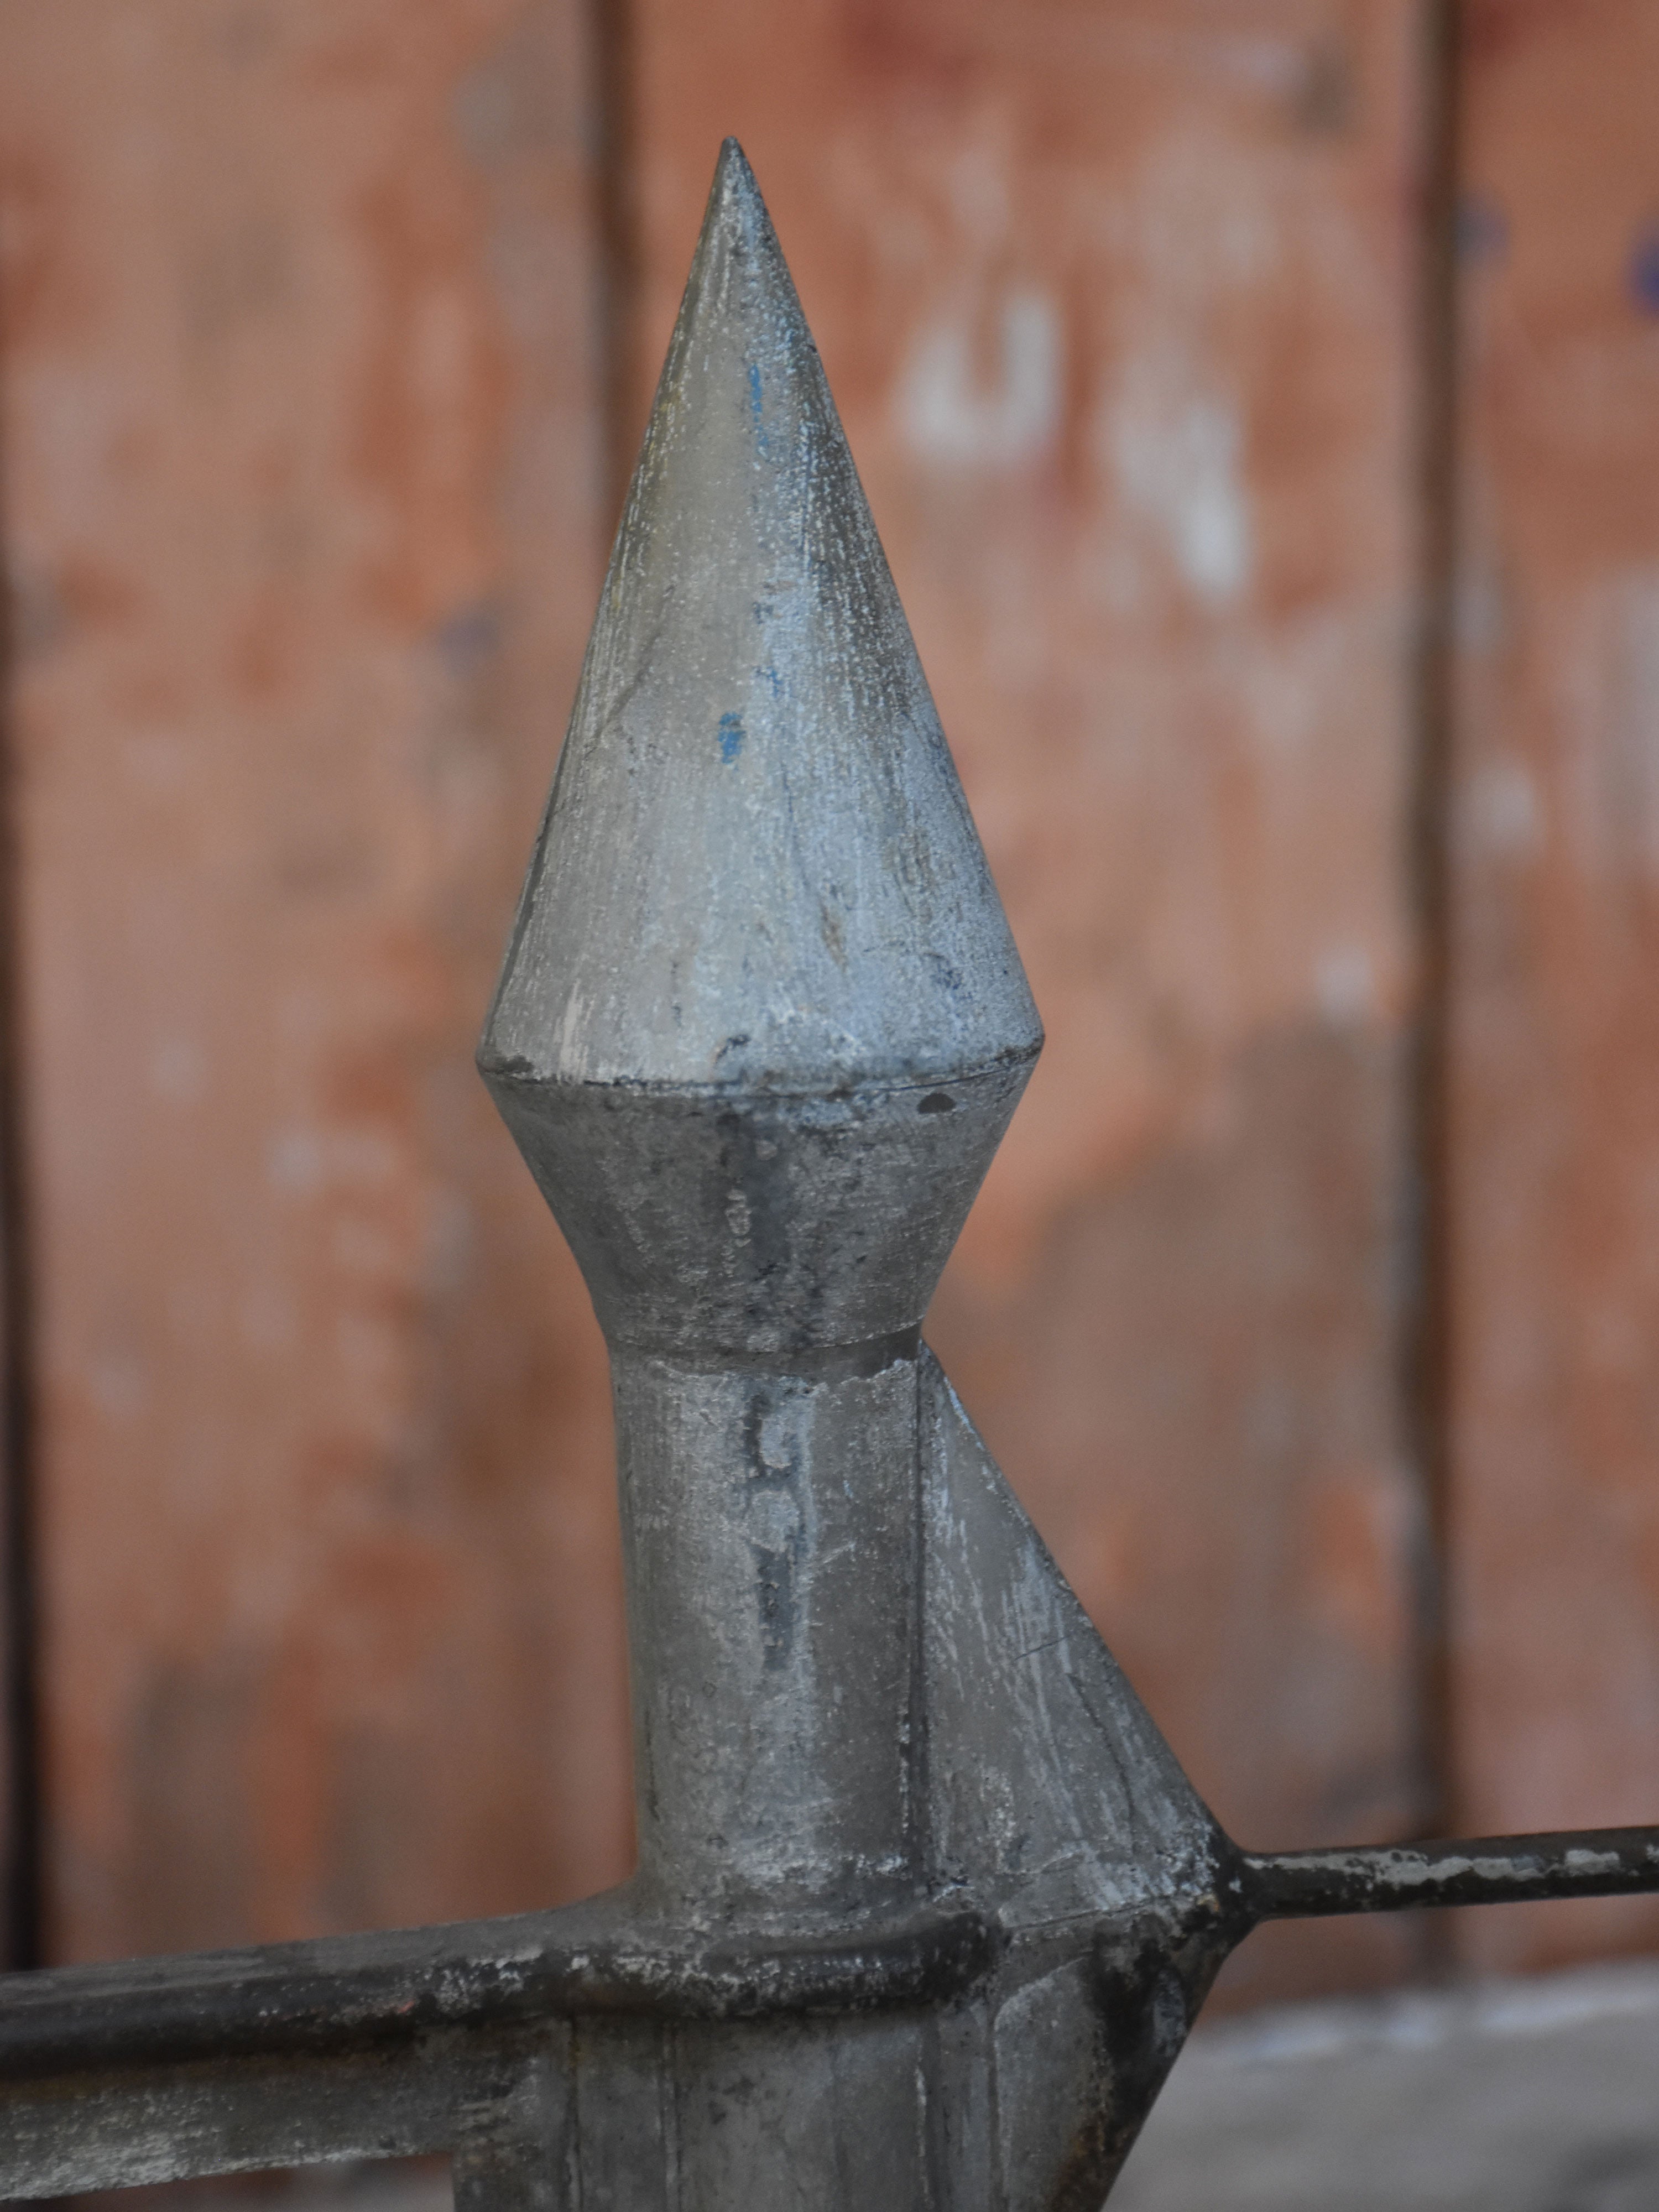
(1604, 755)
(977, 183)
(1629, 737)
(120, 1386)
(949, 415)
(1345, 985)
(1176, 452)
(1504, 815)
(302, 1162)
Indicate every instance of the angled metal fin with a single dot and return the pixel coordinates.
(1046, 1778)
(1054, 1800)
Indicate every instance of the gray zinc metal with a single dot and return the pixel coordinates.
(760, 1028)
(758, 872)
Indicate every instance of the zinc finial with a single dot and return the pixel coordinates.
(758, 945)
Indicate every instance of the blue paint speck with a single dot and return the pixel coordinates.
(761, 444)
(1645, 270)
(772, 680)
(731, 737)
(468, 637)
(1482, 229)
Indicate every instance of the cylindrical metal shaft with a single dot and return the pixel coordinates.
(771, 1540)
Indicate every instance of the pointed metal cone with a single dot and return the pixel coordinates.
(757, 870)
(760, 1027)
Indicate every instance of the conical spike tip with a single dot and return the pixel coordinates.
(758, 872)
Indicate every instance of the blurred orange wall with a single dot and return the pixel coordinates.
(304, 510)
(1555, 820)
(321, 329)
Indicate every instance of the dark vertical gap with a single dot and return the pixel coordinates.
(21, 1938)
(1428, 1349)
(619, 248)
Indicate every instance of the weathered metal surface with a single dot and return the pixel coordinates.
(924, 1905)
(760, 1028)
(1555, 1130)
(608, 1957)
(302, 531)
(1117, 300)
(1472, 1870)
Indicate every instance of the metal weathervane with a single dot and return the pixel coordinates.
(925, 1906)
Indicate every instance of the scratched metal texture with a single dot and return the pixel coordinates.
(303, 513)
(760, 1028)
(1555, 1135)
(1117, 302)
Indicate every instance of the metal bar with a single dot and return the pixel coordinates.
(518, 2158)
(130, 2124)
(1473, 1870)
(524, 2175)
(369, 1993)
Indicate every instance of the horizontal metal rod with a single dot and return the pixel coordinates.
(1470, 1870)
(365, 1992)
(112, 2127)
